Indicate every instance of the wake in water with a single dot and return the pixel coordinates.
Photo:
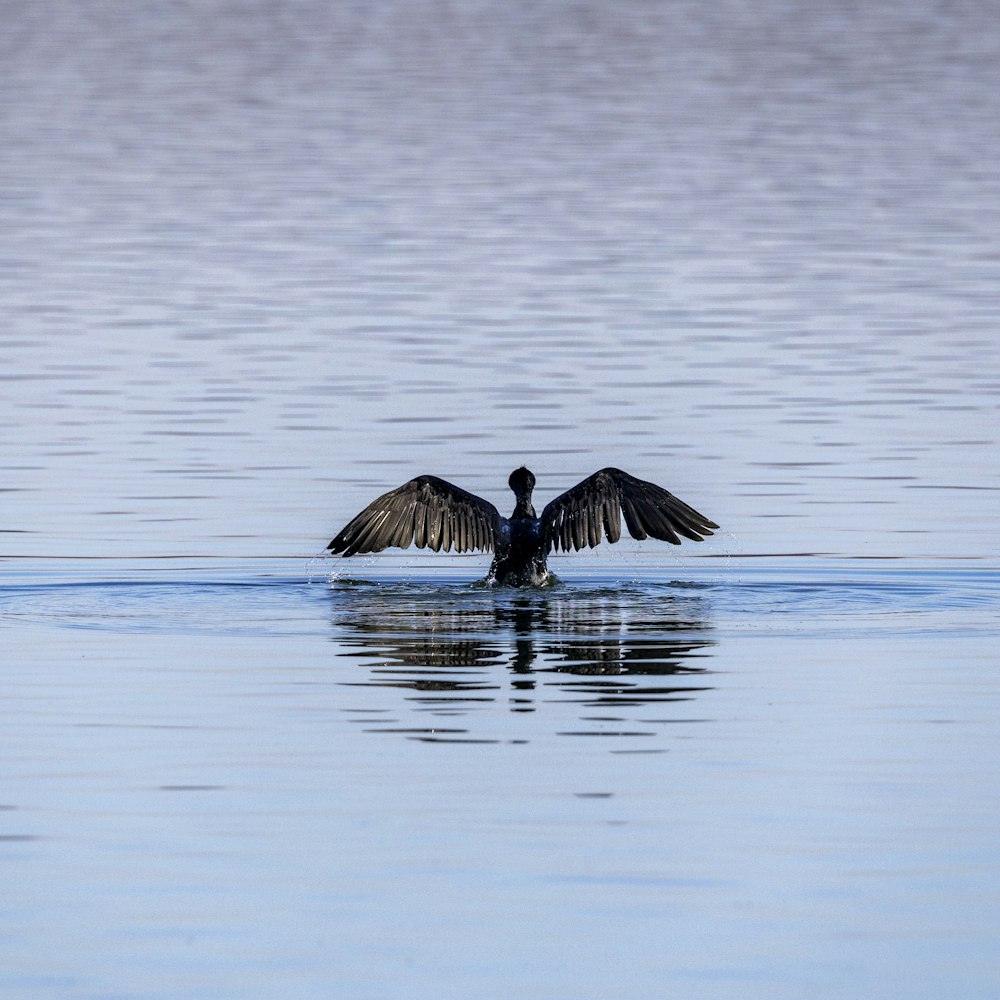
(817, 599)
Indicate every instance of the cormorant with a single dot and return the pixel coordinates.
(431, 512)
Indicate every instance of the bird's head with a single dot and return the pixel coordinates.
(522, 482)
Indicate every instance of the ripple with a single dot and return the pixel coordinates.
(836, 601)
(414, 616)
(174, 607)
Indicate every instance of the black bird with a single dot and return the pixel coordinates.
(430, 512)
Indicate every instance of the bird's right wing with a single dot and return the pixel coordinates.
(574, 519)
(427, 511)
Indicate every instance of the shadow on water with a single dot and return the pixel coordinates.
(596, 659)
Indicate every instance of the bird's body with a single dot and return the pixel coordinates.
(520, 559)
(431, 512)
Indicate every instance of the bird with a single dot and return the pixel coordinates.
(432, 513)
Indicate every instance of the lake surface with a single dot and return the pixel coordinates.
(260, 265)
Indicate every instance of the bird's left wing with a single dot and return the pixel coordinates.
(575, 518)
(427, 511)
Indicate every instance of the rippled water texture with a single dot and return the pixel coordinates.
(260, 263)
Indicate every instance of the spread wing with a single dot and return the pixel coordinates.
(574, 519)
(426, 511)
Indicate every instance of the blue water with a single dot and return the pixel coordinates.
(259, 267)
(738, 779)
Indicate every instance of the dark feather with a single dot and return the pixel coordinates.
(612, 520)
(574, 518)
(426, 511)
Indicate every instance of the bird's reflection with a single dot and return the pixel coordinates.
(458, 652)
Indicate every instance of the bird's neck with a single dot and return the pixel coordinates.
(523, 507)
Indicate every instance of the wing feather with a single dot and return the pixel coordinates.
(419, 527)
(446, 516)
(404, 530)
(432, 529)
(594, 524)
(427, 512)
(575, 518)
(632, 520)
(612, 519)
(368, 538)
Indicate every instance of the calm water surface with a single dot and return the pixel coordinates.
(257, 269)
